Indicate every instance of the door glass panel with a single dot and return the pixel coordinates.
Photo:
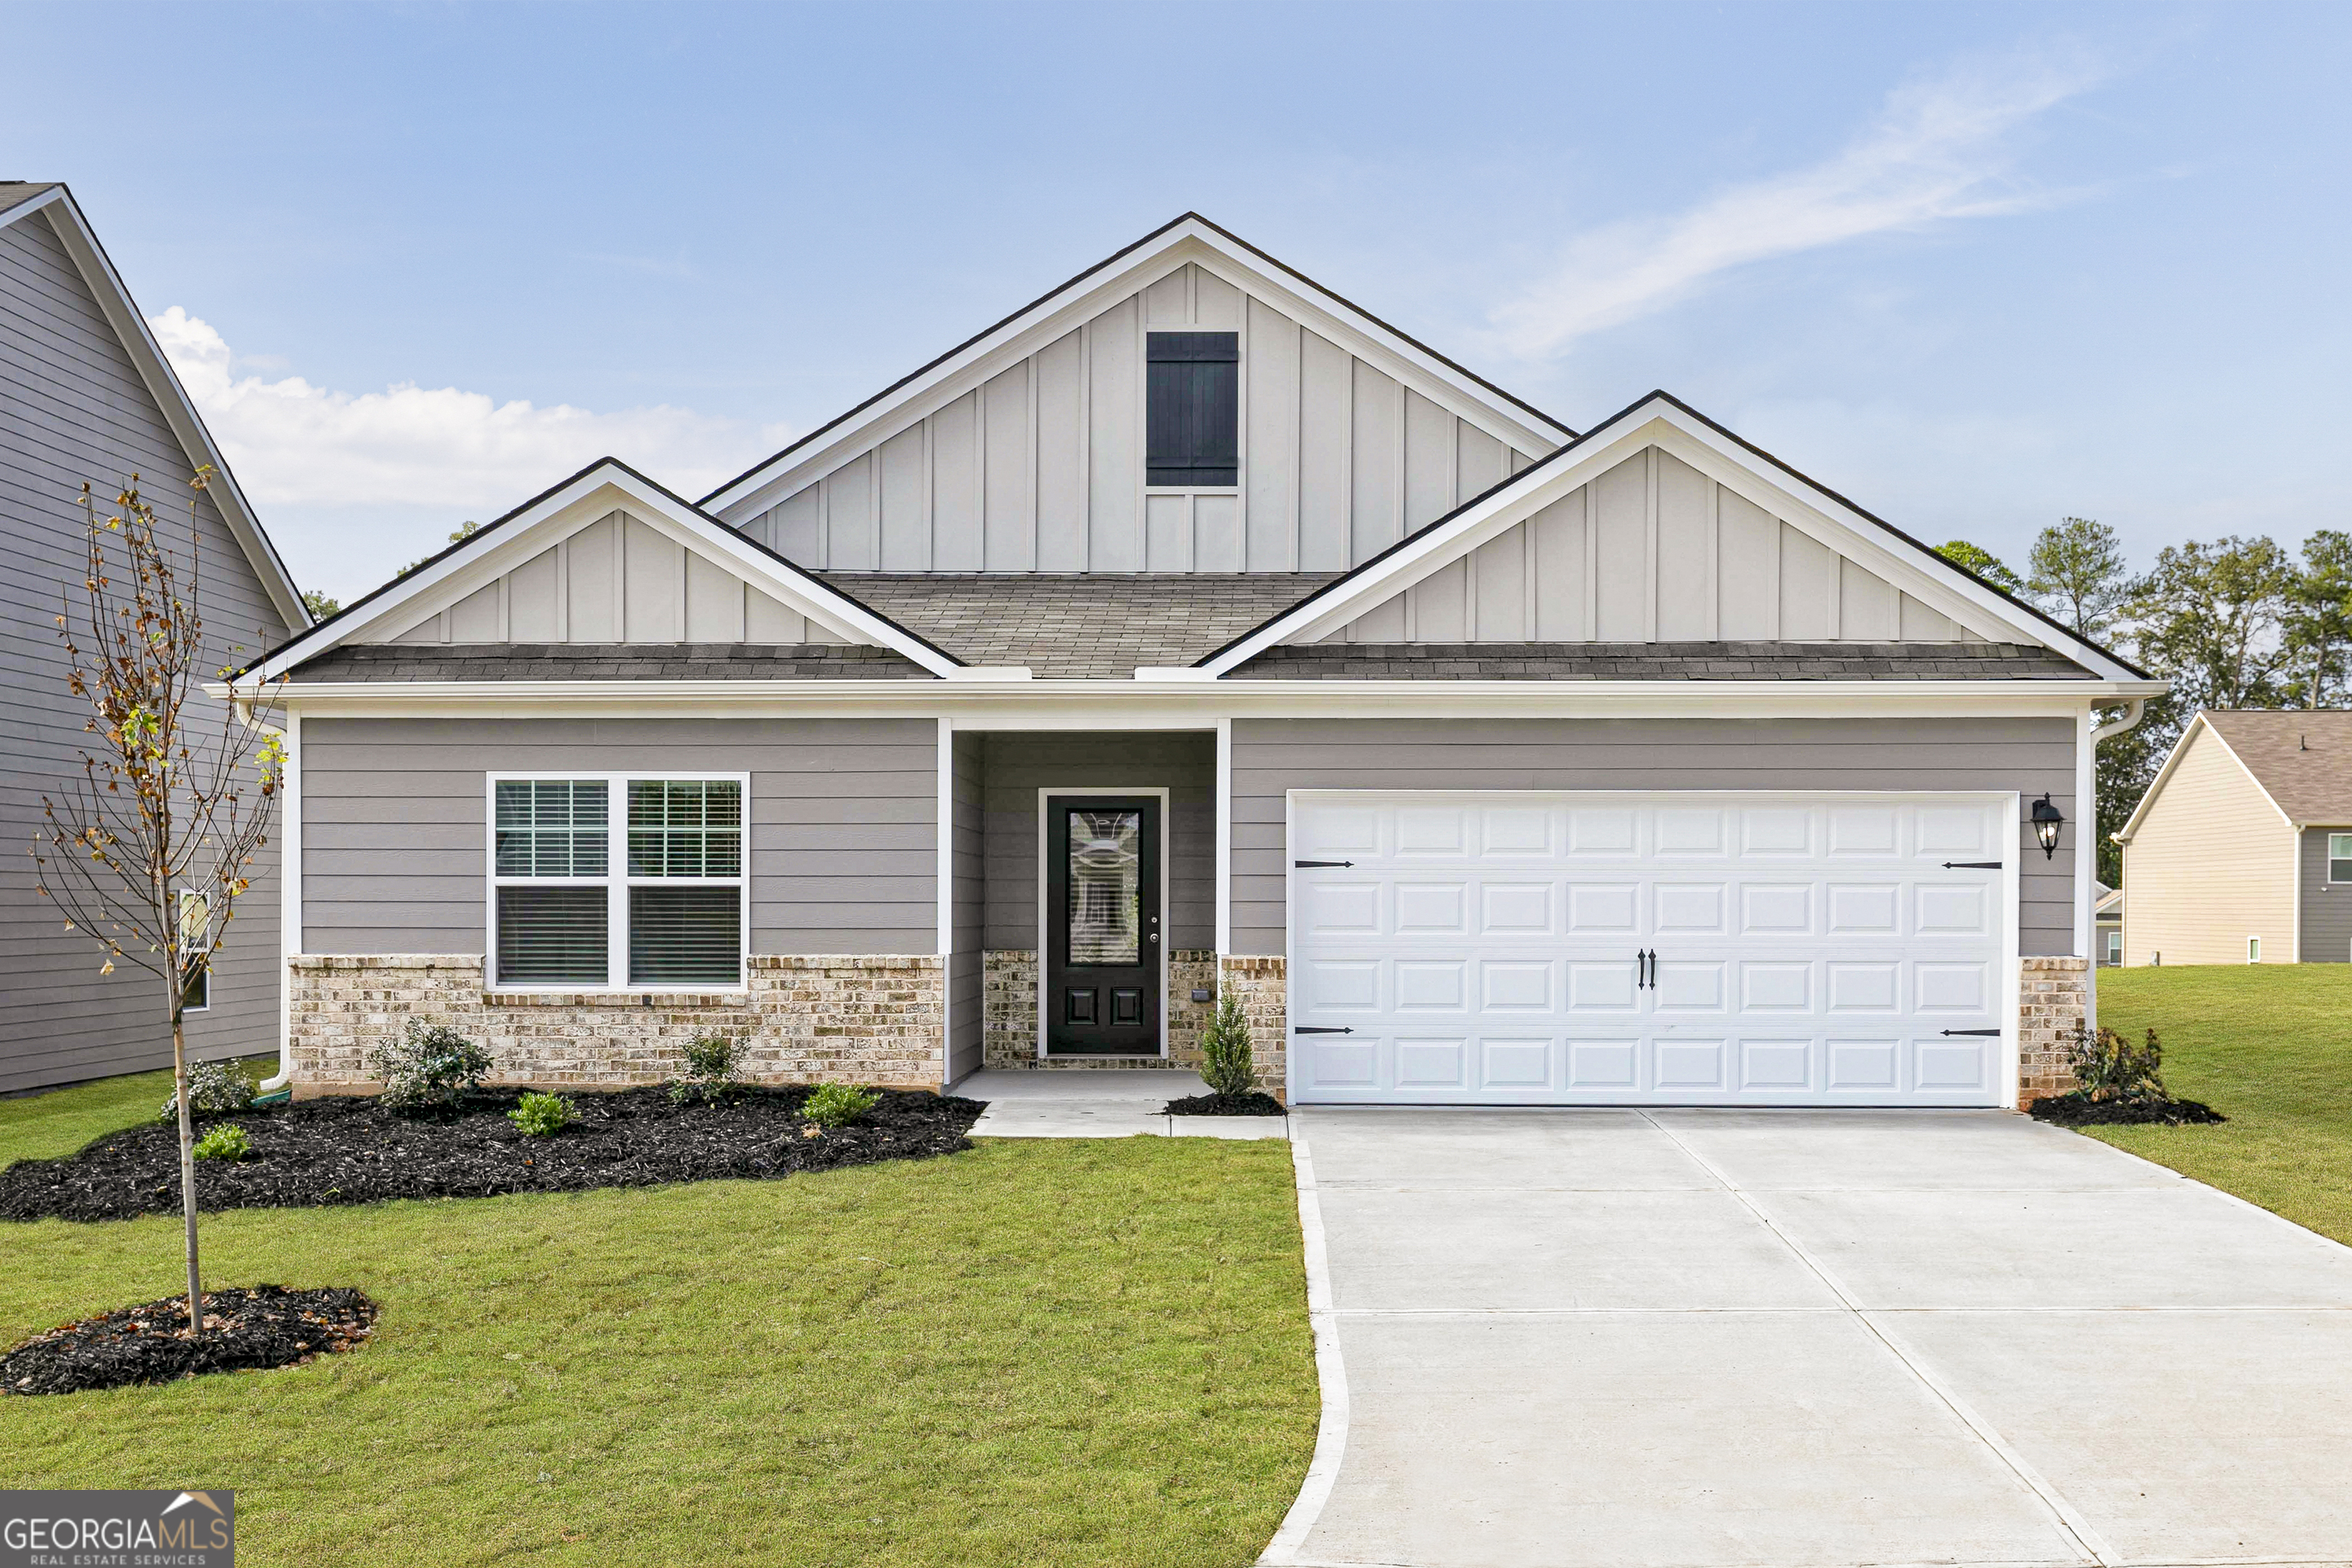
(1106, 912)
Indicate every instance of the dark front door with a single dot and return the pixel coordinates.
(1102, 891)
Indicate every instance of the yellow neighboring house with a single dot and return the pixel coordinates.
(2240, 852)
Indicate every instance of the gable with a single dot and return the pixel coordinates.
(1030, 455)
(617, 579)
(1652, 551)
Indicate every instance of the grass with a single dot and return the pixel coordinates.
(1037, 1352)
(2269, 1046)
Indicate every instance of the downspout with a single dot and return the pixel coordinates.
(2132, 712)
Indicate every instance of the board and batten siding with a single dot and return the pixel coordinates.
(1652, 551)
(1016, 765)
(1041, 468)
(843, 819)
(968, 910)
(75, 410)
(2211, 864)
(617, 581)
(1272, 756)
(2326, 906)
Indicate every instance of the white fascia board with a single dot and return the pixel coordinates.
(1779, 490)
(577, 503)
(1096, 291)
(179, 410)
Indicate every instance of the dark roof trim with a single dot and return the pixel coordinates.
(495, 524)
(1112, 260)
(1661, 395)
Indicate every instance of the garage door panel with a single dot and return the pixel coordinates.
(1805, 950)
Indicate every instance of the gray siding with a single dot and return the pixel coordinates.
(1019, 765)
(842, 817)
(970, 912)
(73, 407)
(2326, 909)
(1272, 756)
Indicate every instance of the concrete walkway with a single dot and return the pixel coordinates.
(1814, 1338)
(1099, 1102)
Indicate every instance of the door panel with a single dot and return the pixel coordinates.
(1103, 925)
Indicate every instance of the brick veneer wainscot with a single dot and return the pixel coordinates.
(1008, 1006)
(2053, 1000)
(829, 1018)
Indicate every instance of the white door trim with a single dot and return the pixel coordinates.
(1045, 901)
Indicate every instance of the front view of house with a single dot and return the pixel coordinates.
(1193, 628)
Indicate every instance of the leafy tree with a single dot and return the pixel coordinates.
(150, 848)
(320, 605)
(2210, 616)
(2319, 622)
(464, 531)
(2076, 573)
(1982, 562)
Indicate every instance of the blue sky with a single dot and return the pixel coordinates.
(1977, 267)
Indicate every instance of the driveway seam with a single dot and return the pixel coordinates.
(1330, 1374)
(2069, 1519)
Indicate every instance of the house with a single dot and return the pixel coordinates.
(2240, 851)
(1192, 628)
(2107, 924)
(86, 396)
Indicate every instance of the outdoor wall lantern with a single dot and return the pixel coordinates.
(2046, 819)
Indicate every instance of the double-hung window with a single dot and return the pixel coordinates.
(2339, 857)
(617, 881)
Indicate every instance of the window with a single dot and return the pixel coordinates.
(1191, 409)
(195, 925)
(2254, 949)
(2115, 947)
(2339, 857)
(645, 889)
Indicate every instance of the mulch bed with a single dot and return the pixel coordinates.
(354, 1150)
(1251, 1104)
(244, 1330)
(2081, 1111)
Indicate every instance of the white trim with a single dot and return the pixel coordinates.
(1076, 304)
(946, 836)
(2294, 928)
(616, 881)
(1224, 836)
(1658, 421)
(289, 903)
(2087, 834)
(1045, 903)
(577, 503)
(179, 410)
(179, 904)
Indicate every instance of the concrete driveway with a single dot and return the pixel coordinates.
(1815, 1338)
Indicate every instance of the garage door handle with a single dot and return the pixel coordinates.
(1312, 1030)
(1972, 1031)
(1318, 865)
(1972, 865)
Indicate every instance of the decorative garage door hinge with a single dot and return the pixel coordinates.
(1312, 1030)
(1972, 1031)
(1972, 865)
(1312, 865)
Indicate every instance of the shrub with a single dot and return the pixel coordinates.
(542, 1115)
(838, 1105)
(1226, 1064)
(710, 1064)
(431, 1066)
(227, 1142)
(212, 1085)
(2109, 1066)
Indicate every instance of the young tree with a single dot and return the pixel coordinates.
(2319, 620)
(2076, 573)
(151, 847)
(1982, 562)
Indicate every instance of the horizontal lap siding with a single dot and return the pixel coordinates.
(842, 817)
(1272, 756)
(73, 408)
(2326, 906)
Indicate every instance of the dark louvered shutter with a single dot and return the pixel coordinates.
(1191, 409)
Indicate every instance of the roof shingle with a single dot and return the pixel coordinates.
(2303, 759)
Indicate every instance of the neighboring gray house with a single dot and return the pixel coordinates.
(1192, 627)
(86, 395)
(2240, 851)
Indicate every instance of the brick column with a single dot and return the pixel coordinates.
(1262, 983)
(2054, 1001)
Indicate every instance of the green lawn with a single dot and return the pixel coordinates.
(2269, 1046)
(1037, 1352)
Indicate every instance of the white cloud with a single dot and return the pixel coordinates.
(295, 444)
(1939, 150)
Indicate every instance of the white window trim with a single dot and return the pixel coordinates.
(206, 1005)
(2254, 949)
(616, 881)
(2333, 879)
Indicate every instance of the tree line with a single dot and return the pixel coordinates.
(2238, 623)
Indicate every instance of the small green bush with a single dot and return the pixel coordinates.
(542, 1115)
(226, 1141)
(212, 1085)
(710, 1064)
(2109, 1066)
(838, 1105)
(1226, 1065)
(431, 1066)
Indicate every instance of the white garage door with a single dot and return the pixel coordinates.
(1493, 948)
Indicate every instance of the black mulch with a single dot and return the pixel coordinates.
(1251, 1104)
(354, 1150)
(244, 1330)
(2082, 1110)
